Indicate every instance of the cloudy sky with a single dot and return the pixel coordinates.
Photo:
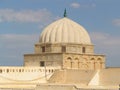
(21, 22)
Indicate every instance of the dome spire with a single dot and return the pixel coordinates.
(65, 13)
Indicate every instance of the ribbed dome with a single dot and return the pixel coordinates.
(65, 31)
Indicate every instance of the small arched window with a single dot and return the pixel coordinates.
(99, 59)
(19, 70)
(63, 49)
(69, 58)
(42, 63)
(7, 70)
(43, 49)
(83, 49)
(0, 70)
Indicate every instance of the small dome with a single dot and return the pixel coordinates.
(65, 31)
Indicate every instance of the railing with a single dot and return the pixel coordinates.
(26, 69)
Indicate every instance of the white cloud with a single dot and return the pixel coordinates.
(116, 22)
(75, 5)
(11, 15)
(78, 5)
(13, 42)
(14, 46)
(106, 40)
(16, 40)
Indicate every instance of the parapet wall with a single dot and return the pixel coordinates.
(25, 74)
(26, 69)
(56, 87)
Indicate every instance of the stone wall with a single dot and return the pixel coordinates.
(50, 59)
(55, 87)
(83, 61)
(58, 48)
(71, 87)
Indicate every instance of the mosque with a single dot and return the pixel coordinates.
(63, 59)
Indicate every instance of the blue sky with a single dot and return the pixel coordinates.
(21, 22)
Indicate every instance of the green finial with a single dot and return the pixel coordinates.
(65, 13)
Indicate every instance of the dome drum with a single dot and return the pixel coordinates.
(63, 48)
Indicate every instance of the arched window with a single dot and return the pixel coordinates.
(49, 70)
(52, 70)
(42, 63)
(83, 49)
(0, 70)
(43, 49)
(69, 58)
(99, 59)
(63, 48)
(19, 70)
(7, 70)
(92, 59)
(76, 59)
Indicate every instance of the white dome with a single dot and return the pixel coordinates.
(65, 31)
